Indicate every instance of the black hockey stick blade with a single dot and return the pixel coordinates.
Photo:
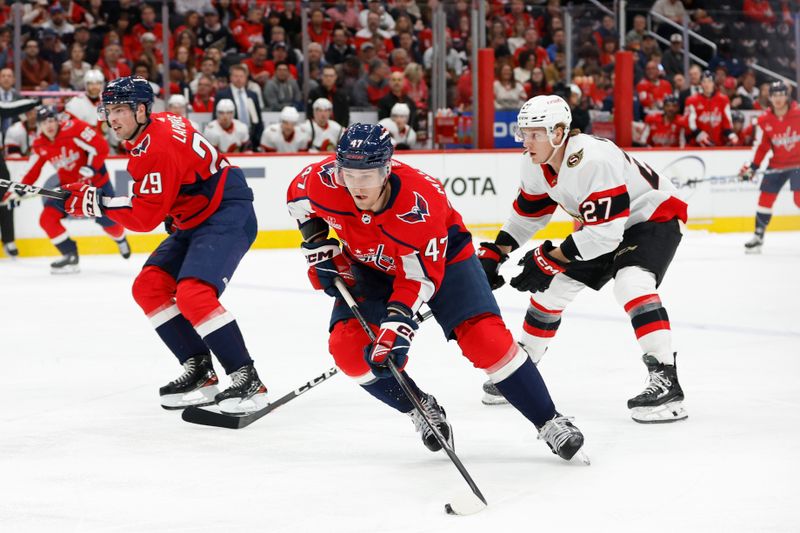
(208, 417)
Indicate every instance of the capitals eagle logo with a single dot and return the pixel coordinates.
(418, 213)
(142, 147)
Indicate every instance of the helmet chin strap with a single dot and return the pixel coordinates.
(555, 146)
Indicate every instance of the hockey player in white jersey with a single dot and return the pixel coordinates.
(285, 136)
(403, 135)
(178, 105)
(321, 129)
(18, 140)
(84, 106)
(226, 133)
(631, 227)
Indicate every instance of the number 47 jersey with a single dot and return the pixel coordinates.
(176, 171)
(598, 184)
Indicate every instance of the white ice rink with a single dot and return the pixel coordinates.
(85, 447)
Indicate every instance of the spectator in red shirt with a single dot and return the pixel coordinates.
(249, 31)
(608, 53)
(37, 73)
(759, 11)
(516, 13)
(343, 12)
(399, 60)
(373, 86)
(260, 69)
(316, 28)
(111, 63)
(373, 28)
(148, 24)
(203, 101)
(652, 89)
(415, 86)
(532, 45)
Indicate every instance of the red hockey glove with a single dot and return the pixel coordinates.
(326, 263)
(538, 269)
(83, 201)
(393, 341)
(747, 172)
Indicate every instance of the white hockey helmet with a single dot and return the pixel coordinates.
(177, 100)
(226, 106)
(400, 110)
(94, 76)
(544, 111)
(321, 103)
(289, 114)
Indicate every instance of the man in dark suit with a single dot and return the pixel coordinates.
(248, 110)
(329, 90)
(397, 96)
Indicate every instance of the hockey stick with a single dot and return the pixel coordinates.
(21, 188)
(460, 505)
(207, 417)
(734, 178)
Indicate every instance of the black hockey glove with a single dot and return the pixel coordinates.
(169, 225)
(538, 269)
(491, 258)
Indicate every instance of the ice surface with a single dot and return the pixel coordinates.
(85, 447)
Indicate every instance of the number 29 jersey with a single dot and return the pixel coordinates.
(177, 172)
(413, 238)
(598, 184)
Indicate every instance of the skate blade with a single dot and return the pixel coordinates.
(582, 457)
(196, 398)
(74, 269)
(752, 251)
(660, 414)
(492, 399)
(237, 406)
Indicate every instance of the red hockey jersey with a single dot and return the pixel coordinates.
(664, 133)
(413, 238)
(652, 93)
(176, 171)
(711, 114)
(76, 145)
(781, 135)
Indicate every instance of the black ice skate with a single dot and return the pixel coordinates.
(68, 264)
(246, 393)
(124, 247)
(196, 386)
(11, 250)
(492, 396)
(662, 399)
(564, 439)
(753, 246)
(436, 415)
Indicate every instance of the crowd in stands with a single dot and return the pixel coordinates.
(378, 55)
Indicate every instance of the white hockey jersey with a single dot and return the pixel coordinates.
(83, 109)
(233, 139)
(272, 140)
(322, 139)
(600, 185)
(407, 136)
(18, 140)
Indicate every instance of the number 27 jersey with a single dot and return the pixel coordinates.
(600, 185)
(176, 171)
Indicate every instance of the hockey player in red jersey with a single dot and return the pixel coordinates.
(778, 130)
(744, 132)
(78, 154)
(403, 245)
(708, 114)
(178, 173)
(666, 129)
(630, 230)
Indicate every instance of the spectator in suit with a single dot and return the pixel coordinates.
(330, 91)
(248, 109)
(7, 94)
